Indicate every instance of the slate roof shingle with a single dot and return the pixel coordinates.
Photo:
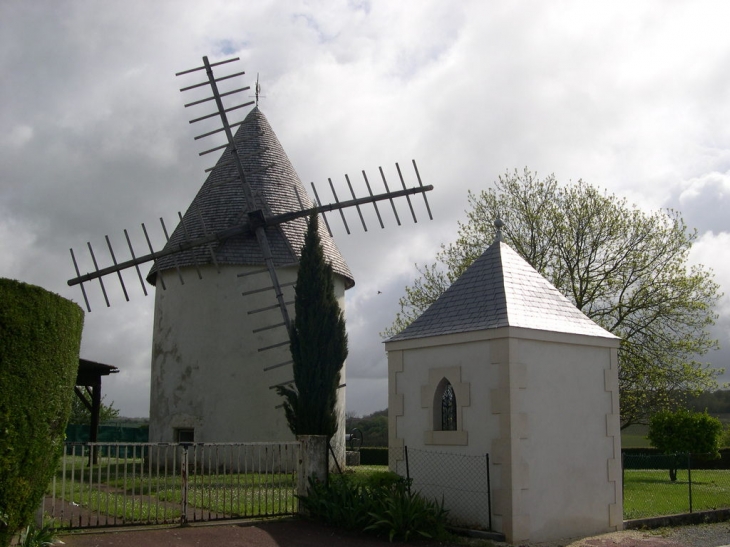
(221, 203)
(501, 289)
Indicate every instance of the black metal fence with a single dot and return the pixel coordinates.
(157, 483)
(462, 482)
(661, 484)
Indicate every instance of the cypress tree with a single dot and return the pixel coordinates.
(318, 344)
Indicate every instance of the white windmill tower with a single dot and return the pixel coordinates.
(225, 283)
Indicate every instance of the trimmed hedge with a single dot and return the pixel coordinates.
(698, 462)
(76, 433)
(373, 456)
(40, 337)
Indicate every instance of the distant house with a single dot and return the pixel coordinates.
(504, 364)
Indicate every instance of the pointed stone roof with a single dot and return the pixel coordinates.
(501, 289)
(221, 203)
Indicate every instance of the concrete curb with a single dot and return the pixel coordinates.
(700, 517)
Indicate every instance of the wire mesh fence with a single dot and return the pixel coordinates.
(662, 484)
(461, 481)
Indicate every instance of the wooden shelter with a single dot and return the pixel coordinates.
(88, 389)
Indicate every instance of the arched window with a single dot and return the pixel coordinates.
(444, 406)
(448, 409)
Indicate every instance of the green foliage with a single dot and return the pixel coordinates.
(686, 432)
(318, 344)
(39, 357)
(725, 438)
(40, 336)
(36, 537)
(404, 513)
(624, 268)
(374, 427)
(343, 503)
(81, 415)
(382, 504)
(714, 402)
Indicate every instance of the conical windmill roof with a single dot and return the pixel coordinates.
(501, 289)
(221, 203)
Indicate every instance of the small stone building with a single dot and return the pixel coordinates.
(503, 364)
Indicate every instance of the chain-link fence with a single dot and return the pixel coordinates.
(462, 482)
(662, 484)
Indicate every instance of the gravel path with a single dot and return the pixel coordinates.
(700, 535)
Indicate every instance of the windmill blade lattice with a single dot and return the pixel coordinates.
(249, 212)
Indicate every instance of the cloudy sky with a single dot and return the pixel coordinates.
(630, 96)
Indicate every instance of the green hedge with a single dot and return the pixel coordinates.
(373, 456)
(76, 433)
(40, 337)
(652, 456)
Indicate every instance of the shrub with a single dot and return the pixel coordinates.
(343, 502)
(401, 514)
(725, 439)
(381, 503)
(39, 357)
(37, 537)
(685, 432)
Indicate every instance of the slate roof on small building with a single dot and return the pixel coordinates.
(501, 289)
(221, 203)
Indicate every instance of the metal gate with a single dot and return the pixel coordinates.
(116, 484)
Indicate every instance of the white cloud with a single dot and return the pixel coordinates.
(713, 251)
(98, 139)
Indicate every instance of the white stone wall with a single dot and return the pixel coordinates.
(543, 405)
(207, 370)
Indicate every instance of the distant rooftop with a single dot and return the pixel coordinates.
(501, 289)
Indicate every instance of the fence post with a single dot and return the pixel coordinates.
(312, 461)
(184, 481)
(489, 494)
(689, 479)
(408, 471)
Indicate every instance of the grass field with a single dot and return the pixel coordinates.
(132, 491)
(634, 436)
(126, 491)
(650, 493)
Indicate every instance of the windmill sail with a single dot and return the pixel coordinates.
(221, 204)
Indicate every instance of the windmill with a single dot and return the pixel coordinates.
(227, 272)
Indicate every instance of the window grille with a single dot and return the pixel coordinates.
(448, 408)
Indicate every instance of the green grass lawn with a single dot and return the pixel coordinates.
(634, 436)
(126, 491)
(133, 491)
(650, 493)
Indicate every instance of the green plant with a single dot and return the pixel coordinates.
(32, 536)
(725, 439)
(376, 479)
(39, 357)
(685, 432)
(318, 344)
(402, 513)
(343, 502)
(381, 503)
